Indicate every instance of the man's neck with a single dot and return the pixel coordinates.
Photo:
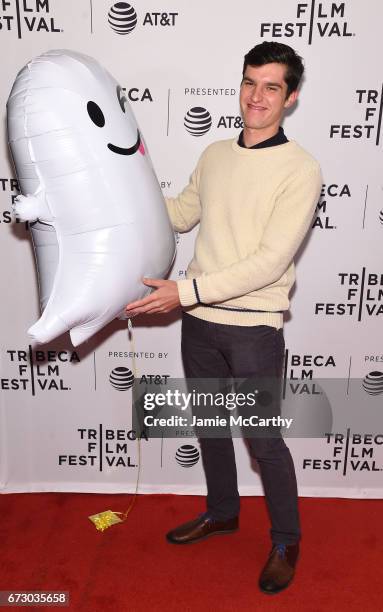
(278, 139)
(254, 137)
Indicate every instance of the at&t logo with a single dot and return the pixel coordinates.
(121, 378)
(187, 455)
(321, 20)
(123, 19)
(198, 121)
(27, 16)
(373, 383)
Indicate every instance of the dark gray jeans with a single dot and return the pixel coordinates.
(214, 350)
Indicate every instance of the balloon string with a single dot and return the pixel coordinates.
(138, 438)
(104, 520)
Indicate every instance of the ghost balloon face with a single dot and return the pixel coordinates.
(97, 116)
(100, 220)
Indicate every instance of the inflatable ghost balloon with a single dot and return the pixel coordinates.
(99, 218)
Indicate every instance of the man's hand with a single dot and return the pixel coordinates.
(164, 299)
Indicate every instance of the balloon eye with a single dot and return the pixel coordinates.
(121, 98)
(96, 114)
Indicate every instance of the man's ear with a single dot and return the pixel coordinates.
(292, 98)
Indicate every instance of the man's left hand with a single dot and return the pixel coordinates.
(164, 299)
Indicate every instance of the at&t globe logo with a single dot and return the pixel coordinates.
(187, 455)
(197, 121)
(373, 383)
(122, 18)
(121, 378)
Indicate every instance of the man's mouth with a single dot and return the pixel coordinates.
(256, 108)
(129, 150)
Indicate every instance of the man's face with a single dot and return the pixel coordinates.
(263, 97)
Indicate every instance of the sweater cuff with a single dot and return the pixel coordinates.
(188, 292)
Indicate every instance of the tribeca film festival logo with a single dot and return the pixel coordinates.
(321, 20)
(27, 16)
(198, 121)
(138, 95)
(371, 123)
(351, 452)
(104, 448)
(37, 370)
(329, 193)
(10, 187)
(187, 455)
(363, 297)
(300, 367)
(123, 18)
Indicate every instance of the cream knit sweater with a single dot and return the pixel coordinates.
(254, 207)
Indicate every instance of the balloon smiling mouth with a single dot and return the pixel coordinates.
(129, 150)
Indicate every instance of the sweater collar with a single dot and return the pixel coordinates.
(278, 139)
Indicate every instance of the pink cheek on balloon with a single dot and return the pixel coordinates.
(141, 148)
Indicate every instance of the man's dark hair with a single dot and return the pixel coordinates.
(269, 52)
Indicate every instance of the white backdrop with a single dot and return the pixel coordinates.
(64, 427)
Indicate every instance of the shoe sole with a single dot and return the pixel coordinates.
(208, 535)
(278, 591)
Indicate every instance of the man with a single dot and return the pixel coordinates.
(254, 199)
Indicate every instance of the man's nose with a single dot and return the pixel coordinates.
(257, 93)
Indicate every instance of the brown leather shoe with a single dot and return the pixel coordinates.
(279, 569)
(200, 529)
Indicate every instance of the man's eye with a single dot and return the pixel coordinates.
(122, 99)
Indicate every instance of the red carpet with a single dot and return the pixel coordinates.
(48, 543)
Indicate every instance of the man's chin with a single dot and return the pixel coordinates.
(254, 126)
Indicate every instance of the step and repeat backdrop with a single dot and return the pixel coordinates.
(65, 413)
